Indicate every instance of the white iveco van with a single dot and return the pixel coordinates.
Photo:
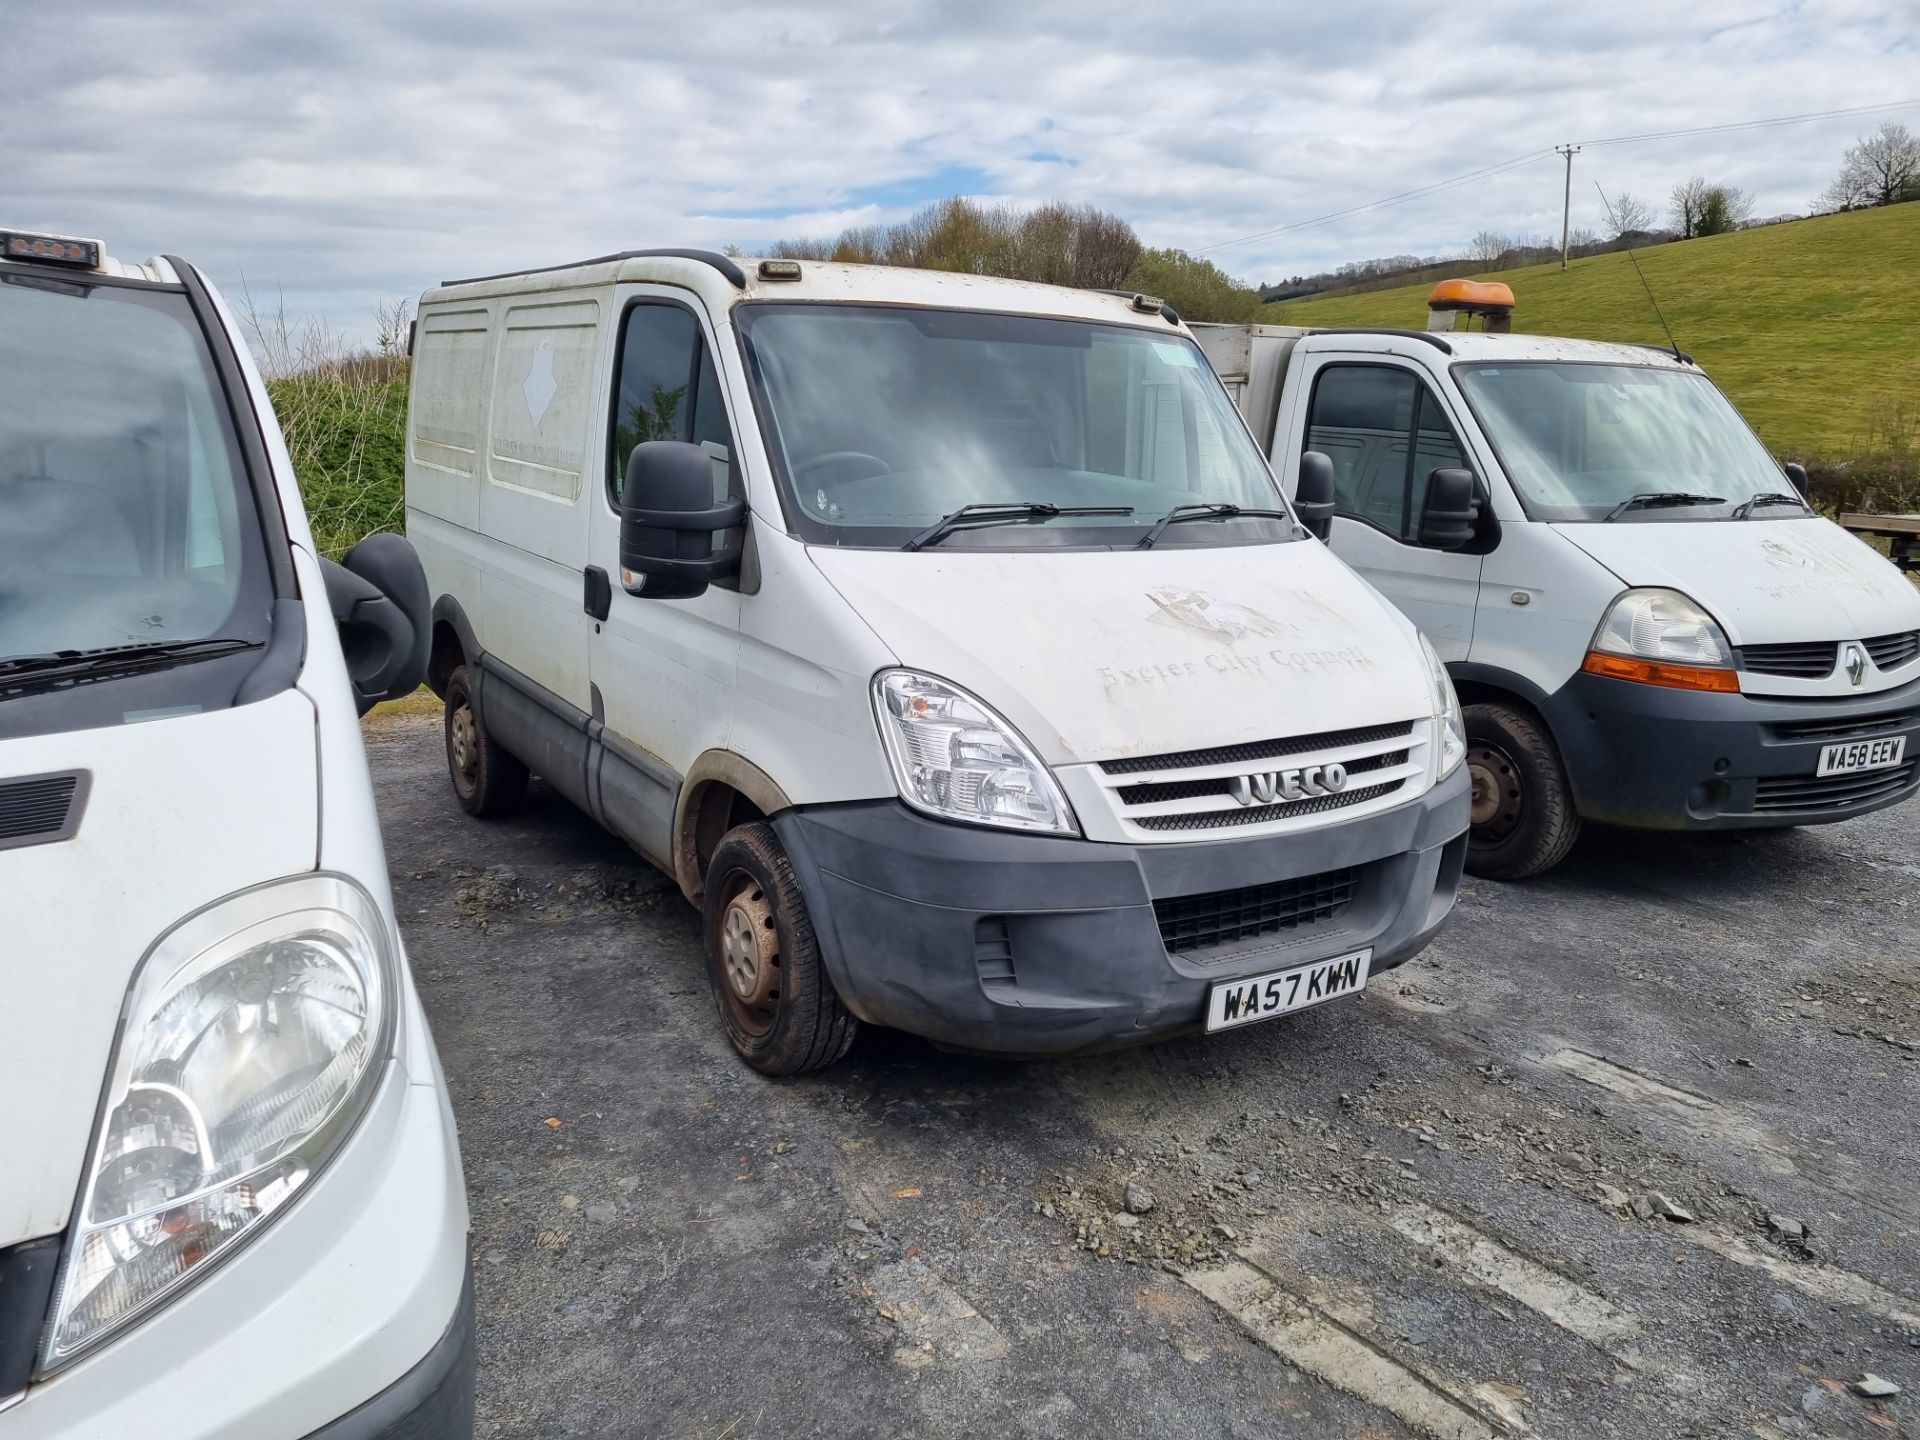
(230, 1198)
(947, 639)
(1648, 625)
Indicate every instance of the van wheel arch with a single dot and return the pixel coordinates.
(454, 644)
(721, 791)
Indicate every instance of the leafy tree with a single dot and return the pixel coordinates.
(1198, 289)
(1700, 208)
(1882, 169)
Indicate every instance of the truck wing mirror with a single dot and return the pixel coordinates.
(1446, 522)
(379, 598)
(1797, 473)
(1313, 496)
(668, 520)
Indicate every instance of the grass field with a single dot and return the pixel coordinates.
(1812, 328)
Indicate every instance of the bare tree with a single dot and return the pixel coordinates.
(1627, 213)
(1700, 208)
(1488, 247)
(1881, 169)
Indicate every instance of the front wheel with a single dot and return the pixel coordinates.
(776, 1002)
(1523, 816)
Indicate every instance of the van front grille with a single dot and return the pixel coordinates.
(1857, 727)
(41, 809)
(1889, 651)
(1234, 787)
(1257, 750)
(1259, 814)
(1223, 785)
(1221, 917)
(1775, 794)
(1801, 661)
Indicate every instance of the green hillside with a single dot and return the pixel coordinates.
(1812, 328)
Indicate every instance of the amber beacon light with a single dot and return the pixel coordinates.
(1489, 299)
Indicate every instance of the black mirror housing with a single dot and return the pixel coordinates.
(1447, 521)
(1797, 473)
(668, 519)
(1313, 494)
(379, 598)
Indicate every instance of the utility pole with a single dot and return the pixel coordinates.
(1566, 199)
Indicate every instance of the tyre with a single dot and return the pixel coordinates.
(1523, 816)
(776, 1003)
(486, 779)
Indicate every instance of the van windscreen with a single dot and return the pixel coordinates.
(882, 419)
(126, 516)
(1579, 439)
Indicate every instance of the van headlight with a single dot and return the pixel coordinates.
(1660, 637)
(1450, 726)
(253, 1038)
(955, 758)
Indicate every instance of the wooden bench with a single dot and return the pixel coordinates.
(1902, 532)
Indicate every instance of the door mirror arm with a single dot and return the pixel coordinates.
(1313, 493)
(668, 521)
(1448, 519)
(380, 602)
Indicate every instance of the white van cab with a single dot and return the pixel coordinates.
(946, 638)
(230, 1197)
(1646, 622)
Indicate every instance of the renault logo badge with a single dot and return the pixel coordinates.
(1855, 659)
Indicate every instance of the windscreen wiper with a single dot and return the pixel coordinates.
(1744, 510)
(994, 512)
(29, 671)
(1651, 498)
(1204, 510)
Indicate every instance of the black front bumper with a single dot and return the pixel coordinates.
(1661, 759)
(432, 1401)
(1003, 943)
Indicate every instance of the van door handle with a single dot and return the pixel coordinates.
(599, 593)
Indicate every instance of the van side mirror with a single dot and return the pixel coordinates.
(1446, 522)
(1797, 473)
(379, 599)
(1313, 496)
(668, 519)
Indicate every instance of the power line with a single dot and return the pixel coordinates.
(1487, 172)
(1755, 124)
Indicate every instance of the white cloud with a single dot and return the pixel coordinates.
(340, 154)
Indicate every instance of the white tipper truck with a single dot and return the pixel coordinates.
(1647, 624)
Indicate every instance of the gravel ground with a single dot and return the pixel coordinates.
(1630, 1151)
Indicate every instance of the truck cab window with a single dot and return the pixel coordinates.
(666, 388)
(1385, 433)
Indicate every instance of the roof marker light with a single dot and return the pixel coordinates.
(1148, 304)
(54, 249)
(779, 269)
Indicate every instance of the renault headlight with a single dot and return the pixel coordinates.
(1660, 637)
(955, 758)
(253, 1037)
(1449, 724)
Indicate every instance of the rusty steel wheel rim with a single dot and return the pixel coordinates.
(463, 748)
(1498, 804)
(749, 942)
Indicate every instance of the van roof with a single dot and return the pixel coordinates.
(1476, 345)
(724, 280)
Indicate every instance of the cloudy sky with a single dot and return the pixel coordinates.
(332, 154)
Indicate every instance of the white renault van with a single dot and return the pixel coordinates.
(230, 1198)
(946, 638)
(1648, 625)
